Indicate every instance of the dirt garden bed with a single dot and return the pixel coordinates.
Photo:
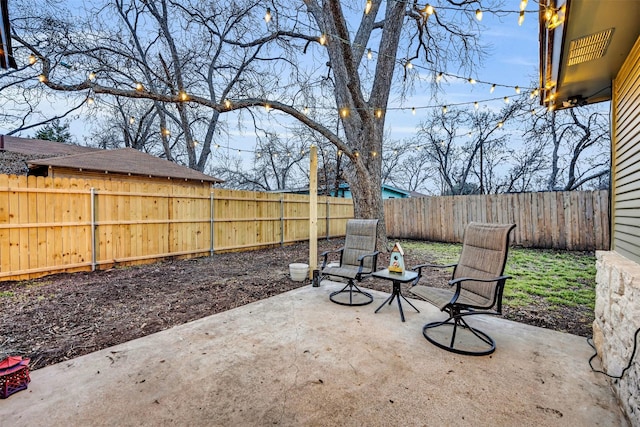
(59, 317)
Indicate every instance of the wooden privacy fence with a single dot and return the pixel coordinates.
(572, 220)
(53, 225)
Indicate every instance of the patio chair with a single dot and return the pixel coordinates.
(479, 282)
(358, 259)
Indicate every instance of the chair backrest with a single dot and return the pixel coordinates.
(484, 255)
(361, 239)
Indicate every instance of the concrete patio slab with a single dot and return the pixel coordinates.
(298, 359)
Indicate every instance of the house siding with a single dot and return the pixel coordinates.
(626, 158)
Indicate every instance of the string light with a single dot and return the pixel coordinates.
(90, 100)
(182, 95)
(367, 7)
(478, 14)
(165, 132)
(521, 18)
(323, 39)
(379, 113)
(506, 99)
(369, 54)
(413, 111)
(476, 105)
(132, 120)
(408, 65)
(444, 109)
(500, 124)
(267, 16)
(493, 87)
(440, 75)
(428, 10)
(472, 80)
(517, 88)
(42, 78)
(92, 75)
(523, 5)
(344, 112)
(32, 59)
(267, 107)
(227, 103)
(139, 87)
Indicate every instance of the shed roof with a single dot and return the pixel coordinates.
(124, 161)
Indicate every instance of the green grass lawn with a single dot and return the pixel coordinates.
(556, 278)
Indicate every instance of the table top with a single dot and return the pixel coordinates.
(407, 276)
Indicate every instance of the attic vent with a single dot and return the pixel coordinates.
(589, 47)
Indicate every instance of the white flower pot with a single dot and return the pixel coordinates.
(298, 271)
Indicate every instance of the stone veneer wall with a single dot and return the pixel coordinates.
(617, 317)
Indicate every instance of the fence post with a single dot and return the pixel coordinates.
(211, 224)
(281, 220)
(326, 221)
(93, 229)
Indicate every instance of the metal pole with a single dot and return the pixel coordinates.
(93, 229)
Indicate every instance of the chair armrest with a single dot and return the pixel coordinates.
(361, 259)
(459, 280)
(419, 268)
(325, 254)
(491, 279)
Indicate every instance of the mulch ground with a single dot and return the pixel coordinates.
(59, 317)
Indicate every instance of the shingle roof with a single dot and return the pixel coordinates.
(41, 147)
(125, 161)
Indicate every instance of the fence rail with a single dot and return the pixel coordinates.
(54, 225)
(573, 220)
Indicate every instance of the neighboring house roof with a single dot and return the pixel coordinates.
(124, 161)
(40, 147)
(582, 47)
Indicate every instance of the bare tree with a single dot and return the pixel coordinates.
(579, 142)
(466, 148)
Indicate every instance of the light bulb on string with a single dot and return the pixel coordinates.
(227, 103)
(479, 14)
(523, 5)
(182, 96)
(90, 100)
(344, 112)
(428, 10)
(521, 18)
(439, 77)
(32, 59)
(517, 89)
(379, 113)
(306, 110)
(367, 7)
(323, 39)
(413, 111)
(493, 87)
(42, 78)
(476, 105)
(92, 75)
(506, 99)
(369, 54)
(408, 65)
(444, 109)
(500, 124)
(139, 87)
(471, 80)
(267, 107)
(132, 120)
(267, 16)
